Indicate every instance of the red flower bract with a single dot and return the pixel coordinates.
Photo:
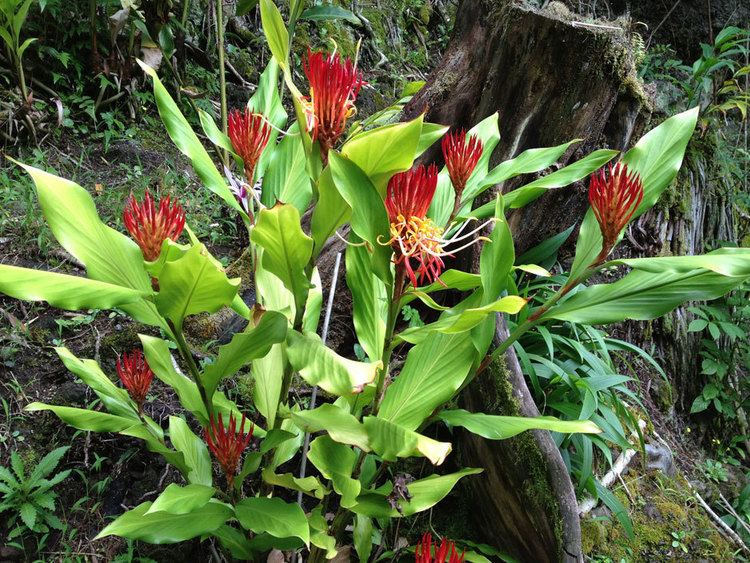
(150, 226)
(614, 194)
(228, 443)
(334, 85)
(249, 133)
(461, 157)
(414, 237)
(135, 375)
(445, 553)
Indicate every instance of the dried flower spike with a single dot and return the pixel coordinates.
(445, 553)
(414, 236)
(150, 226)
(461, 156)
(228, 443)
(334, 85)
(614, 194)
(136, 376)
(249, 133)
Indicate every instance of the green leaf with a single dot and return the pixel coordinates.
(314, 303)
(457, 320)
(329, 12)
(497, 257)
(268, 373)
(273, 516)
(28, 515)
(85, 419)
(528, 162)
(433, 372)
(336, 462)
(275, 32)
(109, 256)
(545, 250)
(266, 100)
(363, 536)
(193, 284)
(255, 342)
(319, 365)
(391, 441)
(214, 134)
(194, 451)
(724, 261)
(369, 217)
(286, 179)
(243, 8)
(234, 540)
(165, 527)
(286, 248)
(643, 295)
(187, 142)
(503, 427)
(310, 486)
(73, 293)
(181, 500)
(425, 494)
(46, 466)
(341, 426)
(369, 300)
(657, 158)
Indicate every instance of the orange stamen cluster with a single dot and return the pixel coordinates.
(615, 195)
(228, 443)
(334, 86)
(445, 553)
(150, 226)
(136, 376)
(249, 133)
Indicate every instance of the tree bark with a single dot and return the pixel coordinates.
(551, 79)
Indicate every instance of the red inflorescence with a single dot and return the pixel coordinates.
(414, 237)
(461, 156)
(249, 133)
(136, 376)
(445, 553)
(228, 443)
(150, 227)
(334, 85)
(615, 195)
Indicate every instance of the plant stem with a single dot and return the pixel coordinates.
(222, 70)
(192, 368)
(393, 309)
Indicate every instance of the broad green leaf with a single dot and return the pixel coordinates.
(529, 161)
(308, 485)
(458, 321)
(328, 12)
(156, 445)
(85, 419)
(503, 427)
(545, 250)
(194, 451)
(431, 132)
(286, 179)
(193, 284)
(442, 203)
(176, 499)
(341, 426)
(164, 527)
(425, 493)
(643, 295)
(369, 300)
(369, 218)
(497, 257)
(287, 449)
(433, 372)
(109, 256)
(275, 32)
(724, 261)
(452, 279)
(565, 176)
(216, 135)
(255, 342)
(319, 533)
(187, 142)
(314, 303)
(234, 540)
(27, 512)
(267, 101)
(273, 516)
(115, 399)
(363, 536)
(656, 158)
(268, 373)
(319, 365)
(73, 293)
(391, 441)
(286, 248)
(336, 462)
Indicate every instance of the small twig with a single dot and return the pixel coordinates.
(595, 25)
(721, 525)
(733, 512)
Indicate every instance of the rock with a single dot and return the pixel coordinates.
(660, 457)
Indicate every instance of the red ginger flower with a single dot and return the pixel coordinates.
(228, 443)
(150, 227)
(334, 85)
(136, 376)
(461, 157)
(615, 195)
(446, 553)
(249, 133)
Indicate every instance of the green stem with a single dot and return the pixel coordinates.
(192, 368)
(393, 309)
(222, 70)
